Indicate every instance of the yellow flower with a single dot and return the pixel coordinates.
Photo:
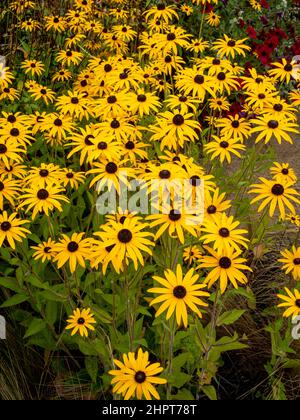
(136, 376)
(74, 250)
(229, 47)
(275, 195)
(11, 229)
(225, 265)
(81, 321)
(291, 301)
(178, 293)
(291, 260)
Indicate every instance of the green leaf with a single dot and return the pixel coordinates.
(35, 327)
(178, 379)
(229, 317)
(292, 364)
(15, 300)
(88, 349)
(180, 360)
(51, 312)
(11, 284)
(210, 392)
(91, 365)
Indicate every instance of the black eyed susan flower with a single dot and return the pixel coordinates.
(185, 8)
(223, 233)
(136, 376)
(9, 190)
(223, 147)
(285, 71)
(46, 174)
(74, 104)
(81, 321)
(193, 81)
(173, 129)
(10, 151)
(213, 19)
(44, 251)
(277, 108)
(57, 125)
(100, 255)
(259, 98)
(225, 265)
(128, 238)
(161, 11)
(142, 103)
(74, 250)
(33, 67)
(198, 45)
(291, 261)
(255, 4)
(269, 127)
(42, 92)
(214, 204)
(229, 47)
(57, 23)
(294, 219)
(69, 177)
(175, 222)
(9, 93)
(276, 195)
(17, 133)
(62, 75)
(295, 97)
(111, 175)
(235, 127)
(133, 150)
(282, 172)
(179, 293)
(11, 229)
(68, 57)
(219, 104)
(42, 199)
(192, 254)
(291, 301)
(6, 76)
(183, 103)
(13, 170)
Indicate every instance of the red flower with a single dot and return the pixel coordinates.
(264, 54)
(264, 20)
(242, 23)
(272, 42)
(265, 4)
(251, 32)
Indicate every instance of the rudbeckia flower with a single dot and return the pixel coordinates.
(74, 250)
(177, 293)
(136, 376)
(291, 262)
(291, 301)
(81, 321)
(11, 229)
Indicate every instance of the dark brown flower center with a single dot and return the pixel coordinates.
(199, 79)
(5, 226)
(44, 173)
(288, 67)
(195, 181)
(231, 43)
(102, 145)
(141, 98)
(224, 232)
(42, 194)
(225, 262)
(3, 149)
(285, 171)
(58, 122)
(216, 62)
(221, 76)
(140, 377)
(73, 246)
(47, 249)
(75, 101)
(111, 168)
(179, 292)
(235, 124)
(14, 132)
(125, 236)
(224, 144)
(171, 37)
(1, 186)
(164, 174)
(273, 124)
(297, 303)
(178, 120)
(261, 96)
(107, 68)
(211, 209)
(278, 107)
(296, 261)
(80, 321)
(278, 189)
(115, 124)
(11, 119)
(111, 99)
(129, 145)
(174, 215)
